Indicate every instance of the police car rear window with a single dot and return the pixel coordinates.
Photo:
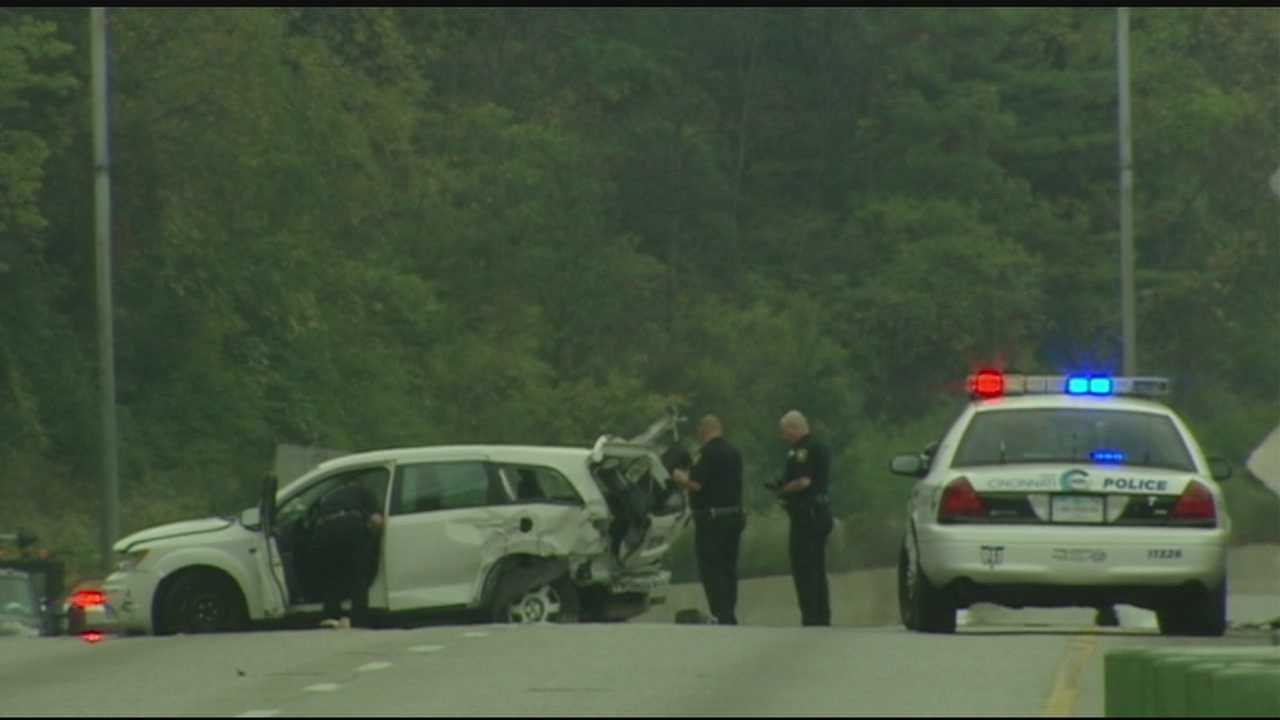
(1072, 435)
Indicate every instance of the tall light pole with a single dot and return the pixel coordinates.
(1127, 317)
(102, 251)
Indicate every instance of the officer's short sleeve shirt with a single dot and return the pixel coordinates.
(809, 458)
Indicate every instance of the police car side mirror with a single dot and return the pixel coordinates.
(909, 465)
(1220, 468)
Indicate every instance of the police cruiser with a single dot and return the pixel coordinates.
(1059, 491)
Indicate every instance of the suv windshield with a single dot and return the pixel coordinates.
(1072, 435)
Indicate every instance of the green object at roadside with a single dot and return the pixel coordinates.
(1179, 681)
(1247, 689)
(1199, 689)
(1122, 682)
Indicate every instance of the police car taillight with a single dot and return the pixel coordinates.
(1195, 505)
(960, 503)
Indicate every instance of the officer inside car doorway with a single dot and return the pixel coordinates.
(345, 539)
(715, 486)
(803, 491)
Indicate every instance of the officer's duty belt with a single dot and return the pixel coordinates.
(806, 502)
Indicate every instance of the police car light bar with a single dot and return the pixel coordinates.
(993, 383)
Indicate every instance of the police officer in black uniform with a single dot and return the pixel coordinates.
(803, 490)
(345, 543)
(715, 484)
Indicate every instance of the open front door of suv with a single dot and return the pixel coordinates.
(270, 565)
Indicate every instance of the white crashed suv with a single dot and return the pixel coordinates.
(1058, 491)
(502, 533)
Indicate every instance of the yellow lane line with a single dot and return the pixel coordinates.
(1066, 684)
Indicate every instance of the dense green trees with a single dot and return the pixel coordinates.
(368, 227)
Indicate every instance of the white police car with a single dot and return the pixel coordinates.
(1058, 491)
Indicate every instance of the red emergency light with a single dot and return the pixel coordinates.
(986, 384)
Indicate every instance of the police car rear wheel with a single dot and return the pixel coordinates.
(200, 602)
(933, 610)
(906, 608)
(1195, 612)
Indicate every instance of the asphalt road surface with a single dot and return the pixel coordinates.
(1000, 663)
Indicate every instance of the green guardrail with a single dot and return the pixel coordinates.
(1192, 682)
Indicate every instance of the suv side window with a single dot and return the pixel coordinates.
(425, 487)
(531, 483)
(295, 508)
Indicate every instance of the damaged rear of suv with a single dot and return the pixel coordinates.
(500, 532)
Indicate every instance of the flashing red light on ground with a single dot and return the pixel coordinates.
(987, 383)
(91, 636)
(87, 599)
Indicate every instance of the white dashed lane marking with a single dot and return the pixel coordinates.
(373, 666)
(321, 687)
(259, 713)
(426, 648)
(475, 634)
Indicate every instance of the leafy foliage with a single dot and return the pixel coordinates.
(366, 227)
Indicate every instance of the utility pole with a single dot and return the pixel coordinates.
(1127, 317)
(102, 250)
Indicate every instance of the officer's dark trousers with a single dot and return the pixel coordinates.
(717, 540)
(344, 550)
(810, 526)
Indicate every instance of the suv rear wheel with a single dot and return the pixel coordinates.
(555, 602)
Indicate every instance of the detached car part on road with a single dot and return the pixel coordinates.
(504, 533)
(1057, 491)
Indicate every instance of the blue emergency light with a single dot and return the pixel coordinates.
(1106, 456)
(1092, 385)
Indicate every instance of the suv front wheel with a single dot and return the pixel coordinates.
(202, 602)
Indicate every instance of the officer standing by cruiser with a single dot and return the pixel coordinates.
(803, 490)
(715, 485)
